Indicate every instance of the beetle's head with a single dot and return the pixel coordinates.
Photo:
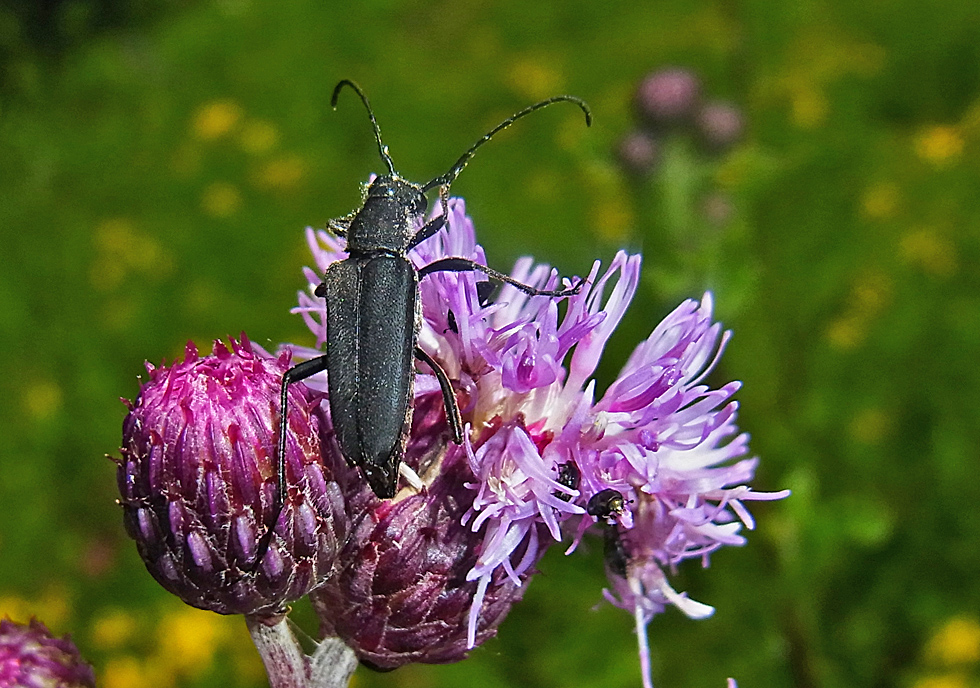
(390, 189)
(389, 217)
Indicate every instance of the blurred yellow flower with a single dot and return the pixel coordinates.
(15, 608)
(532, 78)
(872, 292)
(809, 107)
(188, 639)
(880, 202)
(869, 425)
(280, 174)
(221, 199)
(927, 249)
(612, 219)
(258, 137)
(939, 145)
(216, 119)
(52, 608)
(944, 681)
(113, 628)
(42, 398)
(847, 332)
(957, 642)
(129, 672)
(120, 248)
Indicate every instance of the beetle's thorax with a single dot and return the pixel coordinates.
(388, 217)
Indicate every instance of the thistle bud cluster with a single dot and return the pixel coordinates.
(671, 102)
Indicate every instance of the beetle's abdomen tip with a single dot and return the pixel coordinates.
(382, 482)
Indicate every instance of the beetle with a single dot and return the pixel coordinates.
(568, 475)
(374, 315)
(606, 506)
(614, 550)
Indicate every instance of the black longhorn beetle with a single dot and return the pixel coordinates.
(374, 315)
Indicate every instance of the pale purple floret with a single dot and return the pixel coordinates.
(522, 371)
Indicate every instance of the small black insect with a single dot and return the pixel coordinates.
(614, 550)
(374, 315)
(569, 476)
(451, 323)
(606, 505)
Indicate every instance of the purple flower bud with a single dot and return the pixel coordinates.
(198, 482)
(720, 124)
(30, 657)
(667, 96)
(639, 153)
(402, 595)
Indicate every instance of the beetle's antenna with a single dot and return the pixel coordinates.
(382, 148)
(447, 179)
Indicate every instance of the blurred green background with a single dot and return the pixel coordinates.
(159, 161)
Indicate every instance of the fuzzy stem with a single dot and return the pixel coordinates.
(330, 666)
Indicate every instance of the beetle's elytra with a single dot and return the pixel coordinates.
(374, 315)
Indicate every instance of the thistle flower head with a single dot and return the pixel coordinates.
(31, 657)
(538, 447)
(198, 480)
(720, 124)
(401, 595)
(667, 96)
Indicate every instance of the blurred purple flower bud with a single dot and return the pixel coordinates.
(198, 482)
(667, 96)
(30, 657)
(639, 153)
(720, 124)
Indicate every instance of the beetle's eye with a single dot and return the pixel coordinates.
(421, 203)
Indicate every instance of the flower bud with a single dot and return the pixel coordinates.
(402, 595)
(720, 125)
(668, 96)
(639, 153)
(198, 478)
(30, 657)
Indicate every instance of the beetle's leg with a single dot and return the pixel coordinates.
(444, 201)
(297, 373)
(435, 224)
(484, 289)
(427, 231)
(448, 395)
(339, 226)
(464, 264)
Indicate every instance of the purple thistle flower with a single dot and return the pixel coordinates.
(639, 153)
(522, 372)
(31, 657)
(667, 96)
(198, 484)
(720, 124)
(401, 595)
